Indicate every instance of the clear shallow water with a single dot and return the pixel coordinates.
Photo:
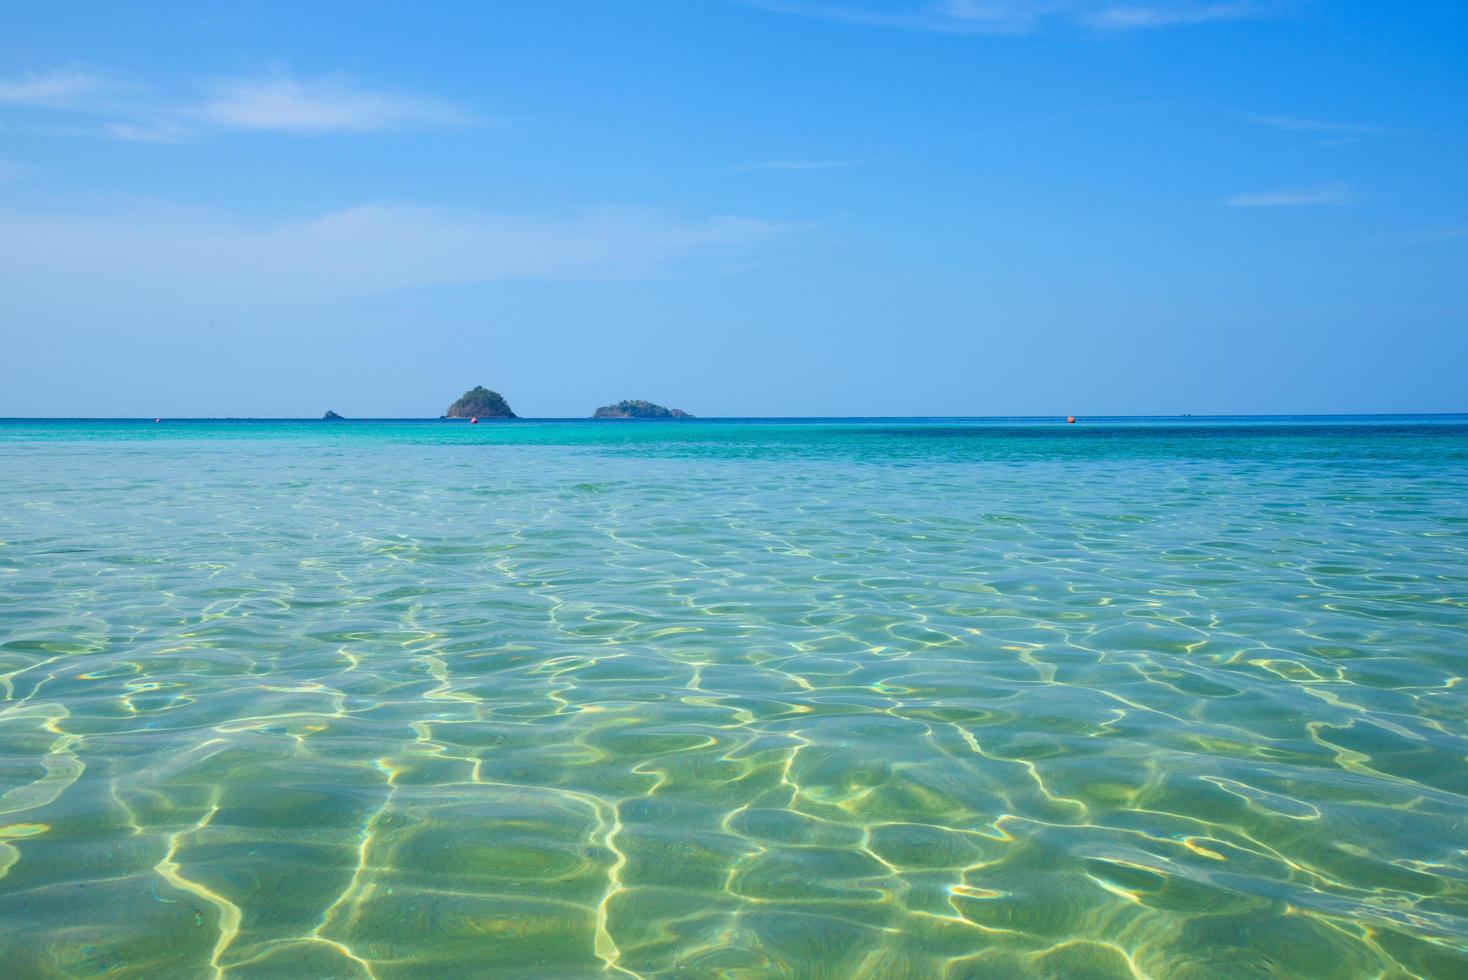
(902, 698)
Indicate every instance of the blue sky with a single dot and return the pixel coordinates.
(770, 207)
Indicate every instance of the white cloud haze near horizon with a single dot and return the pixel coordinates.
(142, 253)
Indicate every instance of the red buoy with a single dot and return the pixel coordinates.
(474, 420)
(1070, 419)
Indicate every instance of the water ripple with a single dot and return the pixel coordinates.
(733, 700)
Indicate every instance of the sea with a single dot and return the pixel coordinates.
(885, 698)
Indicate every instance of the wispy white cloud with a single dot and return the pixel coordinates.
(140, 255)
(317, 106)
(14, 170)
(1436, 236)
(274, 103)
(57, 88)
(912, 17)
(1169, 15)
(1295, 124)
(148, 131)
(1296, 197)
(800, 165)
(1020, 16)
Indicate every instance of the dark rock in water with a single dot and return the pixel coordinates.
(636, 408)
(330, 416)
(480, 402)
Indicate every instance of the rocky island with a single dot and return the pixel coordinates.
(636, 408)
(480, 402)
(331, 416)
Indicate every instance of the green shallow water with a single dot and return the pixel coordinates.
(738, 699)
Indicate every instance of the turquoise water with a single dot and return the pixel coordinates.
(734, 699)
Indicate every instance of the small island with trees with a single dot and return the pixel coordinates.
(480, 403)
(637, 408)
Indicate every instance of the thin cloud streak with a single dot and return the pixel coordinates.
(796, 165)
(1297, 197)
(1295, 124)
(276, 103)
(1132, 18)
(1020, 16)
(1435, 236)
(14, 170)
(915, 19)
(318, 106)
(154, 131)
(57, 88)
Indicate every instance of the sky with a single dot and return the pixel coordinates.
(735, 207)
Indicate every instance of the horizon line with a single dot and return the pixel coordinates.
(715, 418)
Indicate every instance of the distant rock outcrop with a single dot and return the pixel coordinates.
(480, 402)
(331, 416)
(636, 408)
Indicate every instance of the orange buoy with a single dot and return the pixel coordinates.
(1070, 420)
